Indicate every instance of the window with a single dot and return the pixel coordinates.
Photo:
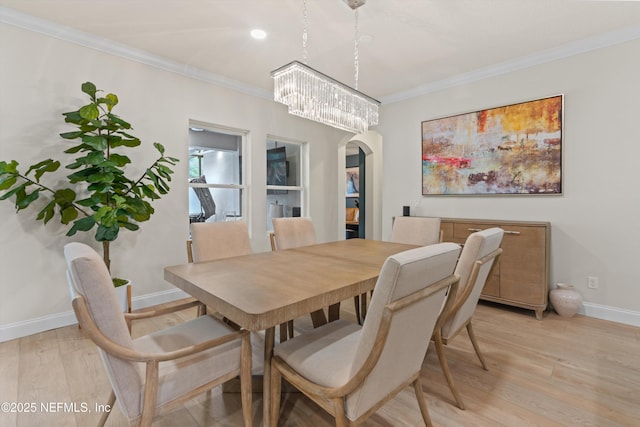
(216, 186)
(286, 179)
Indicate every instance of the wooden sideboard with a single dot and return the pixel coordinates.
(521, 277)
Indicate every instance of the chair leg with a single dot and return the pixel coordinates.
(284, 332)
(202, 310)
(245, 380)
(417, 386)
(333, 312)
(276, 386)
(318, 318)
(474, 342)
(290, 328)
(437, 339)
(338, 408)
(363, 305)
(150, 394)
(109, 407)
(356, 303)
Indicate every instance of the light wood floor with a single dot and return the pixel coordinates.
(556, 372)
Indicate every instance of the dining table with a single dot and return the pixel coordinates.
(262, 290)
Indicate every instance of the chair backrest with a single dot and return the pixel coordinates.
(411, 327)
(415, 230)
(293, 232)
(90, 279)
(216, 240)
(479, 253)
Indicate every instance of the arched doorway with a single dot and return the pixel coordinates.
(371, 145)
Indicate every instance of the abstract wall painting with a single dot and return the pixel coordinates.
(514, 149)
(353, 182)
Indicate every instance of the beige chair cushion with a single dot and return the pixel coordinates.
(293, 232)
(215, 240)
(178, 377)
(414, 230)
(323, 355)
(477, 245)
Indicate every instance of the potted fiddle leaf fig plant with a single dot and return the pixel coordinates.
(97, 195)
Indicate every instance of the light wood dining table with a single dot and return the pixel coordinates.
(262, 290)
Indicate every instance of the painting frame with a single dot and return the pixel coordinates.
(353, 181)
(515, 149)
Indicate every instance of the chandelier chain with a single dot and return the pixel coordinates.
(304, 33)
(355, 52)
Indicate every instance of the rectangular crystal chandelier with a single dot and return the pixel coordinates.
(313, 95)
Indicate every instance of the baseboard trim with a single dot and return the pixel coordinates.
(53, 321)
(59, 320)
(619, 315)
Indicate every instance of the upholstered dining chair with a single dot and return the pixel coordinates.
(217, 240)
(352, 370)
(480, 253)
(410, 230)
(293, 232)
(415, 230)
(164, 368)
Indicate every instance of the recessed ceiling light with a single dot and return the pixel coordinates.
(258, 34)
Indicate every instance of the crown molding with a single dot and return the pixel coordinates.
(557, 53)
(12, 17)
(61, 32)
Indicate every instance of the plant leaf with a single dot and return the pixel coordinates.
(89, 88)
(6, 183)
(108, 234)
(16, 190)
(83, 224)
(119, 160)
(25, 201)
(89, 112)
(64, 197)
(47, 212)
(68, 214)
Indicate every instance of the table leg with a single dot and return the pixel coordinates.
(269, 340)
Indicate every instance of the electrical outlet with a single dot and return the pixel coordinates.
(592, 282)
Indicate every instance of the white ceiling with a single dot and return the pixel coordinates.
(406, 46)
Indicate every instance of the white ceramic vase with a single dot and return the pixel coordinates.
(565, 299)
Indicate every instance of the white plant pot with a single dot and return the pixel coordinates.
(124, 297)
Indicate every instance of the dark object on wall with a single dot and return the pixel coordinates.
(295, 211)
(207, 205)
(514, 149)
(406, 211)
(277, 169)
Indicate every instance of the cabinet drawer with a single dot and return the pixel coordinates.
(462, 230)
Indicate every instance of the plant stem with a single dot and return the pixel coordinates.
(105, 254)
(43, 187)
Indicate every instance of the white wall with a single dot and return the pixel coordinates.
(40, 78)
(594, 230)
